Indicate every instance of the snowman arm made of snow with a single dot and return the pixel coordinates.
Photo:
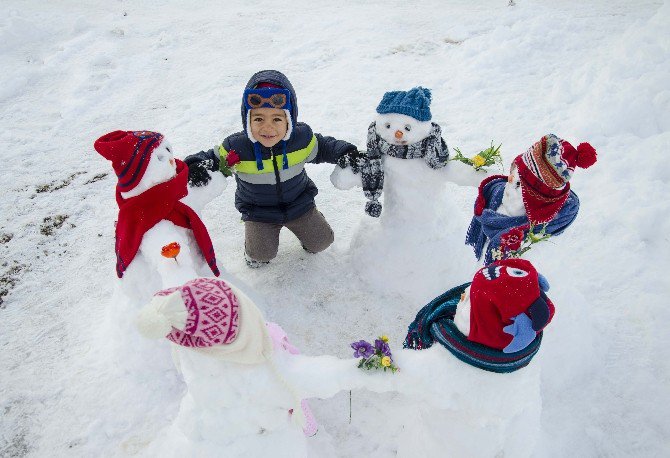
(464, 175)
(432, 375)
(454, 171)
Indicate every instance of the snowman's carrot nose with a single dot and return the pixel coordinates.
(398, 134)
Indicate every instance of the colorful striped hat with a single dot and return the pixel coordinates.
(545, 171)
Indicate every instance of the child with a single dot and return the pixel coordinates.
(273, 189)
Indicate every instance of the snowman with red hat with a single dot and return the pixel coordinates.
(536, 195)
(161, 241)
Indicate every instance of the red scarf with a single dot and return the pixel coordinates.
(140, 213)
(541, 201)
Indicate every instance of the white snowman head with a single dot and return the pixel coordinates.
(512, 201)
(403, 117)
(400, 129)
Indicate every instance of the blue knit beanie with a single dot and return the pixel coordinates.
(414, 103)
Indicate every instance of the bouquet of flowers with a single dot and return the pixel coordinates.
(227, 167)
(377, 356)
(485, 158)
(514, 243)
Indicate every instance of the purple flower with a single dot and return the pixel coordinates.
(382, 347)
(362, 349)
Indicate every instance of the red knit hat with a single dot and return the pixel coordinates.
(545, 171)
(499, 292)
(129, 152)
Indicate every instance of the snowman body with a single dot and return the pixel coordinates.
(418, 233)
(243, 407)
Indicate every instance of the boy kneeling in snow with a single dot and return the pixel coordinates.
(273, 189)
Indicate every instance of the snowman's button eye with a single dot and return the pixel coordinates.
(408, 127)
(514, 272)
(388, 125)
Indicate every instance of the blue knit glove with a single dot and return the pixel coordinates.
(522, 331)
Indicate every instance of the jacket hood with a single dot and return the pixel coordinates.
(272, 77)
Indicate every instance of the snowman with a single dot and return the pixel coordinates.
(477, 393)
(160, 239)
(231, 361)
(536, 192)
(403, 130)
(408, 161)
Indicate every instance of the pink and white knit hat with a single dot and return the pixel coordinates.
(200, 313)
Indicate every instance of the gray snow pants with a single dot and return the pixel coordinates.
(261, 240)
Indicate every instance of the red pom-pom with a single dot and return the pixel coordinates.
(586, 155)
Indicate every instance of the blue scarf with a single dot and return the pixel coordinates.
(491, 225)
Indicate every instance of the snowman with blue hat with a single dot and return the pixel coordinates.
(403, 130)
(407, 162)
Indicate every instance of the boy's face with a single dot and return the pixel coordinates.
(268, 125)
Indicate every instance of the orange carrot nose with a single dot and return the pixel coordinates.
(171, 161)
(398, 134)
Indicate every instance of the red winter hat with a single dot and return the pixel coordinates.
(499, 292)
(545, 171)
(129, 152)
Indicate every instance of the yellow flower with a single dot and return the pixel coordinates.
(386, 361)
(385, 338)
(478, 161)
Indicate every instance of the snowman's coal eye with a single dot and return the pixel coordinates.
(514, 272)
(168, 150)
(160, 157)
(388, 125)
(408, 127)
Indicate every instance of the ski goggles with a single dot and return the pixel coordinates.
(267, 98)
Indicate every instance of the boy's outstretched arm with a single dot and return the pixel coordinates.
(332, 149)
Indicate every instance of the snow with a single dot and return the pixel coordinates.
(78, 380)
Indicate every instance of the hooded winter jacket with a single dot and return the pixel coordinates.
(276, 194)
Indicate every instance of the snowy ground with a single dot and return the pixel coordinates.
(594, 72)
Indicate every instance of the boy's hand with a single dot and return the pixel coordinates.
(351, 158)
(199, 168)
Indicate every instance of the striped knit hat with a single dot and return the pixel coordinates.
(129, 152)
(545, 171)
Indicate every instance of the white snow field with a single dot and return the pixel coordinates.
(78, 380)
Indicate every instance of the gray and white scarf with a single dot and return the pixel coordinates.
(433, 149)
